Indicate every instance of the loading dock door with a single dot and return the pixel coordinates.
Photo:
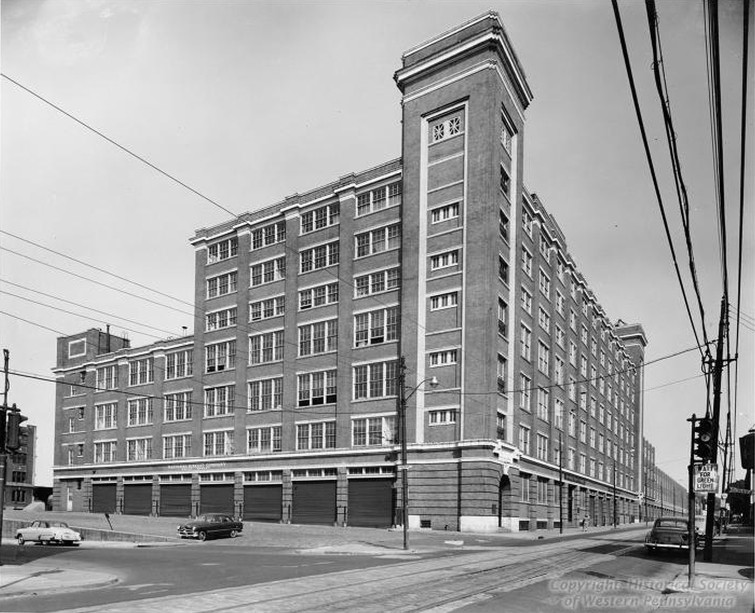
(371, 502)
(263, 502)
(314, 502)
(216, 499)
(137, 499)
(175, 500)
(103, 498)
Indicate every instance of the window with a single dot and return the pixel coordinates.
(583, 365)
(267, 272)
(592, 438)
(376, 241)
(503, 225)
(526, 301)
(107, 377)
(138, 449)
(140, 412)
(266, 394)
(543, 357)
(544, 319)
(572, 389)
(267, 347)
(319, 257)
(218, 443)
(376, 380)
(376, 327)
(559, 370)
(506, 134)
(558, 413)
(106, 416)
(268, 235)
(505, 183)
(141, 371)
(444, 213)
(527, 222)
(317, 296)
(218, 320)
(601, 442)
(582, 431)
(218, 401)
(573, 320)
(222, 250)
(377, 282)
(439, 417)
(501, 371)
(444, 260)
(321, 217)
(526, 343)
(572, 354)
(582, 463)
(379, 198)
(372, 431)
(104, 451)
(177, 406)
(542, 452)
(560, 267)
(524, 439)
(445, 128)
(525, 385)
(72, 424)
(315, 388)
(545, 248)
(572, 459)
(77, 348)
(503, 317)
(560, 302)
(544, 283)
(543, 399)
(592, 467)
(443, 358)
(319, 337)
(443, 301)
(526, 262)
(222, 284)
(177, 446)
(179, 364)
(560, 336)
(220, 356)
(265, 309)
(503, 270)
(319, 435)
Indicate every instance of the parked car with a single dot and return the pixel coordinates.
(670, 533)
(210, 525)
(46, 532)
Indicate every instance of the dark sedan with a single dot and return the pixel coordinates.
(669, 533)
(210, 526)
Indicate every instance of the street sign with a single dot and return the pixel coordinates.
(739, 490)
(705, 478)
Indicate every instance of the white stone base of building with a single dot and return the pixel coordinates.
(479, 523)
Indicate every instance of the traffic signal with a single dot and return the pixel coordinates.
(704, 439)
(14, 439)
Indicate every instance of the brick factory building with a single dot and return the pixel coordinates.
(283, 405)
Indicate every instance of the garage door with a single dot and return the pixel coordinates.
(137, 499)
(371, 502)
(103, 498)
(314, 502)
(216, 499)
(263, 502)
(175, 500)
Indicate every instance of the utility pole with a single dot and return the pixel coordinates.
(404, 467)
(691, 506)
(560, 483)
(614, 493)
(3, 454)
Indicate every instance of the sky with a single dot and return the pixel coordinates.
(250, 101)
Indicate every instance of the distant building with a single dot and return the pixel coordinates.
(19, 485)
(662, 494)
(283, 405)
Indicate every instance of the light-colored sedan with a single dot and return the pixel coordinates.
(46, 532)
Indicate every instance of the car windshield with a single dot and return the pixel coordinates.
(671, 523)
(58, 524)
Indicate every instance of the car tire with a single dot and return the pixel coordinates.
(20, 539)
(202, 535)
(233, 534)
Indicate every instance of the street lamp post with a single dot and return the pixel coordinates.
(402, 399)
(560, 483)
(614, 493)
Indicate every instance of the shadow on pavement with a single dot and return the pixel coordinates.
(15, 555)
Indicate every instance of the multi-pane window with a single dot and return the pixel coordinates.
(446, 129)
(572, 389)
(506, 136)
(544, 283)
(318, 296)
(139, 411)
(319, 337)
(379, 198)
(525, 386)
(502, 369)
(543, 396)
(526, 262)
(444, 213)
(218, 401)
(582, 463)
(526, 301)
(583, 365)
(106, 416)
(559, 370)
(267, 272)
(264, 440)
(503, 269)
(370, 431)
(582, 430)
(376, 327)
(376, 380)
(107, 377)
(319, 257)
(268, 235)
(442, 358)
(380, 239)
(321, 217)
(560, 302)
(265, 309)
(573, 320)
(525, 347)
(315, 388)
(572, 354)
(542, 453)
(218, 443)
(138, 449)
(444, 260)
(222, 250)
(560, 336)
(524, 439)
(267, 347)
(440, 417)
(505, 182)
(601, 442)
(572, 458)
(444, 301)
(544, 319)
(503, 317)
(266, 394)
(318, 435)
(104, 451)
(220, 356)
(217, 320)
(524, 484)
(177, 406)
(560, 267)
(377, 282)
(176, 446)
(545, 248)
(222, 284)
(503, 225)
(71, 424)
(141, 371)
(558, 413)
(543, 357)
(527, 221)
(572, 424)
(592, 438)
(179, 364)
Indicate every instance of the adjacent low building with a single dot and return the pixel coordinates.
(318, 314)
(19, 475)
